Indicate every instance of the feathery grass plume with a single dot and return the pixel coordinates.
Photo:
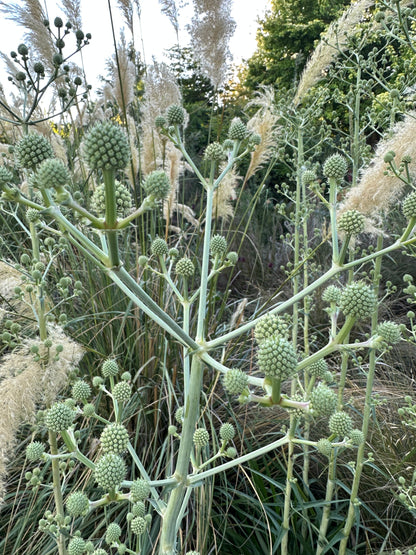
(72, 11)
(170, 9)
(211, 29)
(334, 41)
(123, 75)
(376, 191)
(126, 8)
(263, 123)
(225, 195)
(134, 166)
(25, 384)
(31, 16)
(10, 278)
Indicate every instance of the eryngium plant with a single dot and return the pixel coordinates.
(199, 455)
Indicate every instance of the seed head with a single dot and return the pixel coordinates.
(59, 417)
(323, 400)
(76, 546)
(159, 247)
(185, 267)
(214, 152)
(77, 504)
(340, 423)
(201, 437)
(358, 299)
(324, 447)
(123, 199)
(175, 115)
(235, 381)
(31, 150)
(227, 431)
(110, 471)
(277, 358)
(218, 245)
(106, 147)
(409, 206)
(269, 326)
(335, 166)
(390, 332)
(308, 176)
(332, 294)
(113, 533)
(80, 391)
(157, 185)
(356, 437)
(109, 368)
(35, 450)
(122, 392)
(318, 368)
(114, 439)
(138, 525)
(351, 222)
(237, 131)
(140, 490)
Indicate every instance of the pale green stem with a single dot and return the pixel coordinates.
(366, 416)
(186, 326)
(356, 128)
(288, 488)
(57, 491)
(111, 217)
(330, 488)
(333, 189)
(169, 528)
(200, 334)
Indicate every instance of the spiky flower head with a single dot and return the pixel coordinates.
(88, 410)
(351, 222)
(123, 196)
(335, 167)
(106, 147)
(179, 415)
(99, 551)
(77, 503)
(214, 152)
(160, 121)
(185, 267)
(80, 391)
(31, 150)
(340, 423)
(110, 471)
(237, 131)
(139, 490)
(308, 176)
(323, 400)
(175, 115)
(139, 508)
(6, 176)
(114, 438)
(332, 294)
(52, 173)
(232, 257)
(277, 358)
(358, 299)
(138, 525)
(270, 325)
(201, 437)
(390, 332)
(159, 247)
(235, 381)
(121, 392)
(231, 452)
(157, 185)
(356, 437)
(76, 546)
(35, 450)
(227, 431)
(113, 533)
(324, 447)
(218, 245)
(409, 206)
(59, 417)
(109, 368)
(318, 368)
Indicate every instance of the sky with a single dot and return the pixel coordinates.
(157, 33)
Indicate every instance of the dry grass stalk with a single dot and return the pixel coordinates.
(126, 8)
(31, 15)
(334, 41)
(123, 75)
(26, 384)
(10, 278)
(262, 123)
(211, 29)
(72, 11)
(376, 192)
(225, 195)
(169, 8)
